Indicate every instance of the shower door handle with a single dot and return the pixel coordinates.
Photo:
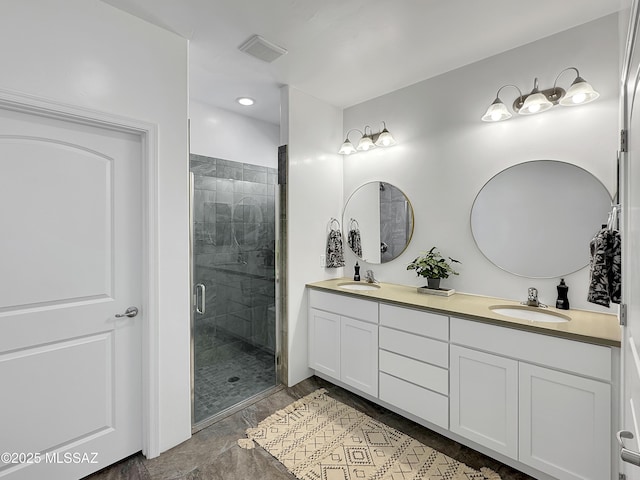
(201, 299)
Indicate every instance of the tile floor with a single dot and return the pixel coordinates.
(213, 454)
(246, 372)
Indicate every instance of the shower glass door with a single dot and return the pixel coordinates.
(233, 269)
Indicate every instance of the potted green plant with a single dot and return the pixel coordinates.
(433, 266)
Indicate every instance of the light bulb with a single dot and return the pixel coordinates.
(536, 102)
(579, 98)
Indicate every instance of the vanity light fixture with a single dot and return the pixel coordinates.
(385, 139)
(497, 110)
(535, 102)
(579, 93)
(347, 147)
(368, 140)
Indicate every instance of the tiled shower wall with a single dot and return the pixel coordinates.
(234, 250)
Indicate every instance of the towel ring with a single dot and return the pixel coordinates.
(613, 220)
(332, 222)
(352, 222)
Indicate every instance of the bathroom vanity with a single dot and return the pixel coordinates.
(540, 396)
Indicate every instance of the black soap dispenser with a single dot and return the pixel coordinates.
(356, 275)
(563, 301)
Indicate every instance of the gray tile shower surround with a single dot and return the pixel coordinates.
(213, 454)
(234, 242)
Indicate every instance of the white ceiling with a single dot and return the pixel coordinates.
(347, 51)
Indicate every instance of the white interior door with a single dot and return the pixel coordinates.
(630, 186)
(70, 260)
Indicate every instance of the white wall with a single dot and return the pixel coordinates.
(219, 133)
(313, 131)
(445, 154)
(86, 53)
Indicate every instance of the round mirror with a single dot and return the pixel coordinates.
(377, 222)
(536, 219)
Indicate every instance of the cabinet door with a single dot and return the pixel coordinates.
(565, 424)
(484, 399)
(359, 353)
(324, 342)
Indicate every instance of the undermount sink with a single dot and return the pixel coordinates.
(534, 314)
(358, 286)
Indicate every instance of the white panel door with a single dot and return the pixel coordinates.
(630, 230)
(483, 397)
(70, 260)
(565, 424)
(359, 355)
(324, 342)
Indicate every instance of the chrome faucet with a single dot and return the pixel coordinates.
(369, 277)
(532, 298)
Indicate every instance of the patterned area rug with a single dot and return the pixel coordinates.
(319, 438)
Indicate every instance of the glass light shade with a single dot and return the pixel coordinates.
(496, 112)
(347, 148)
(535, 103)
(579, 93)
(365, 143)
(385, 139)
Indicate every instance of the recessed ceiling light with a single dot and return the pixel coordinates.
(246, 101)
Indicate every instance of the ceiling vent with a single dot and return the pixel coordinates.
(262, 49)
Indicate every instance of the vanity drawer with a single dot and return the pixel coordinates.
(420, 348)
(344, 305)
(422, 374)
(415, 321)
(421, 402)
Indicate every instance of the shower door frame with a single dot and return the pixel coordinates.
(197, 426)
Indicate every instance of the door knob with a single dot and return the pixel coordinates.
(129, 312)
(627, 455)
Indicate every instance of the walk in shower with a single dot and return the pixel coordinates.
(233, 268)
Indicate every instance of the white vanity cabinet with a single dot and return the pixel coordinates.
(484, 399)
(414, 362)
(541, 400)
(359, 354)
(565, 423)
(343, 339)
(324, 342)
